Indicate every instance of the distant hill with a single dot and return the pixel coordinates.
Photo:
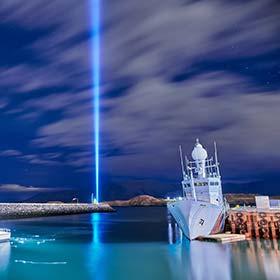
(141, 200)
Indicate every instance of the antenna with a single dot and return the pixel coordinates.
(192, 186)
(187, 164)
(216, 159)
(181, 159)
(216, 155)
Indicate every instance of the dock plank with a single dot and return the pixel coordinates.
(223, 237)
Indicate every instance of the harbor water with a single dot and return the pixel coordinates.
(133, 243)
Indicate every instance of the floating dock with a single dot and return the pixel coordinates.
(29, 210)
(223, 237)
(254, 222)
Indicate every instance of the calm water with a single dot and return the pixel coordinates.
(134, 243)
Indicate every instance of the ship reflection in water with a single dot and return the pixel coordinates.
(252, 259)
(202, 260)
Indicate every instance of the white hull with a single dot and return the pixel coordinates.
(197, 218)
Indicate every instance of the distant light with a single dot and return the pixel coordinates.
(95, 32)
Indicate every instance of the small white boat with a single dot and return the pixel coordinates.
(5, 235)
(201, 210)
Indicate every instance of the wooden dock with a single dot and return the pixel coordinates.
(255, 223)
(223, 237)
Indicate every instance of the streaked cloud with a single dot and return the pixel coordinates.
(147, 111)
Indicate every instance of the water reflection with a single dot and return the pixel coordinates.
(252, 259)
(95, 259)
(259, 259)
(130, 244)
(95, 221)
(200, 260)
(5, 252)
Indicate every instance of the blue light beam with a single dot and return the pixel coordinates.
(95, 29)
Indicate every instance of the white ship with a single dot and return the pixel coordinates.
(201, 210)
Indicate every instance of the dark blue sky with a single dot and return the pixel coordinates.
(171, 71)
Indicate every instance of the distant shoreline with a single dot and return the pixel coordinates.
(146, 200)
(57, 208)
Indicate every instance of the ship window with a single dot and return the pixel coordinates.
(212, 183)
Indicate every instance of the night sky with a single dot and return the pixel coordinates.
(172, 71)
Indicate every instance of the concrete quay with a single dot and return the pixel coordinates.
(29, 210)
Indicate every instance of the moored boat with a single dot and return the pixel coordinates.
(201, 210)
(5, 235)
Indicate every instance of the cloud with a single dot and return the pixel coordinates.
(10, 153)
(165, 35)
(3, 103)
(145, 44)
(24, 189)
(49, 159)
(173, 114)
(21, 193)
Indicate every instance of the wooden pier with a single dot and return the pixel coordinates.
(255, 223)
(223, 237)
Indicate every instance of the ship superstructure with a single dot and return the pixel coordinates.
(201, 177)
(201, 210)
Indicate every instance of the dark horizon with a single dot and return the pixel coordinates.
(171, 72)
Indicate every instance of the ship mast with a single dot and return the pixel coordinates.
(192, 185)
(182, 162)
(216, 160)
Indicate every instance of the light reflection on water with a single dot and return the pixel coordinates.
(135, 243)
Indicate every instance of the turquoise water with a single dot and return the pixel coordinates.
(134, 243)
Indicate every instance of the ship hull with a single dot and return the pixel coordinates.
(197, 218)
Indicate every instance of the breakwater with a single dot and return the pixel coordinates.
(255, 223)
(29, 210)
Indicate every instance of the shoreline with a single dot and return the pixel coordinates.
(33, 210)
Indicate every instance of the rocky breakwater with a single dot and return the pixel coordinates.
(29, 210)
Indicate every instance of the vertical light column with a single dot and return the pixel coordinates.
(95, 16)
